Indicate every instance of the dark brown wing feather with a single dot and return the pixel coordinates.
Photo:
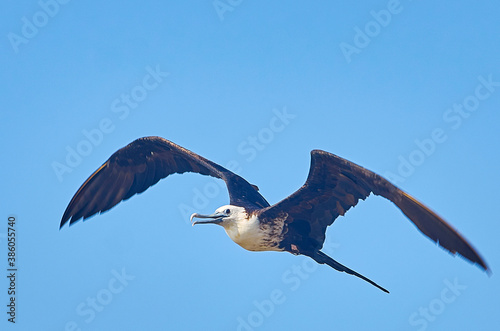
(143, 163)
(333, 186)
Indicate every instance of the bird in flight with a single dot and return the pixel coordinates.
(297, 224)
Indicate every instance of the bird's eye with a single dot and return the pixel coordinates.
(227, 211)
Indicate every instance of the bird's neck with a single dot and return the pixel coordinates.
(244, 231)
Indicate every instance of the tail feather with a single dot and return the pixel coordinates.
(322, 258)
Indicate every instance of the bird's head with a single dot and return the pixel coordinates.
(224, 216)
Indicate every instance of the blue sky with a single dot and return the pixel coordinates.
(408, 89)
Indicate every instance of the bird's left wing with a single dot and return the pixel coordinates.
(333, 186)
(141, 164)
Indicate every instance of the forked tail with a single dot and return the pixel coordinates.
(322, 258)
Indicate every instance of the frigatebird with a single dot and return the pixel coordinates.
(297, 224)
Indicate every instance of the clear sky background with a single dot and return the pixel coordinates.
(408, 89)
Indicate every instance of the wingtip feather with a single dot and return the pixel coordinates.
(438, 230)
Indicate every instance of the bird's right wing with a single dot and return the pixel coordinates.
(333, 186)
(141, 164)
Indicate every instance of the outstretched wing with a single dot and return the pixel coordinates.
(141, 164)
(333, 186)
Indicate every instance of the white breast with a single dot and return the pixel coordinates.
(249, 234)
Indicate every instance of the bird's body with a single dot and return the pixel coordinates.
(297, 224)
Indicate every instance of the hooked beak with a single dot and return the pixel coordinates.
(214, 218)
